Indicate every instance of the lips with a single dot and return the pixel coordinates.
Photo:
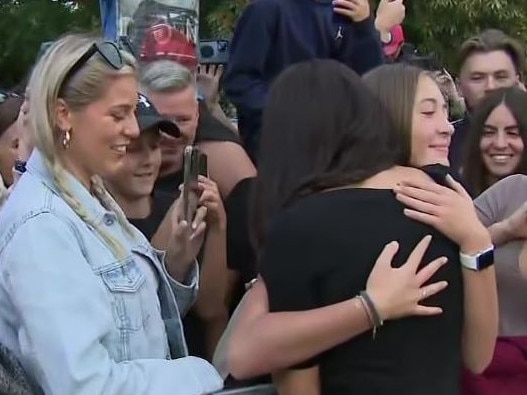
(121, 149)
(144, 175)
(440, 148)
(501, 158)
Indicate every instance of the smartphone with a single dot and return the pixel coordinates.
(215, 51)
(203, 165)
(191, 159)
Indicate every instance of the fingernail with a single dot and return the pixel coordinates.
(183, 224)
(444, 260)
(194, 226)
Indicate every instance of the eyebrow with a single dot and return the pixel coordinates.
(122, 107)
(489, 72)
(506, 128)
(429, 100)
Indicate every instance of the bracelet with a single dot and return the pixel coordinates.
(366, 309)
(373, 314)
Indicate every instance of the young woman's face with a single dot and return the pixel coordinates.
(137, 174)
(501, 144)
(101, 132)
(431, 130)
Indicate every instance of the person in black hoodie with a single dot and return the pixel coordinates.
(273, 34)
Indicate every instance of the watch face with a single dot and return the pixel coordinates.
(486, 259)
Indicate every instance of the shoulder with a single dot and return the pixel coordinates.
(265, 5)
(505, 195)
(34, 214)
(506, 189)
(211, 129)
(44, 231)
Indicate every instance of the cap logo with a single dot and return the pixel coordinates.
(144, 101)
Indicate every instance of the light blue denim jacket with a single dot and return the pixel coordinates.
(81, 321)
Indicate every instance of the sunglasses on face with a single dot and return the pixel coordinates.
(107, 50)
(5, 95)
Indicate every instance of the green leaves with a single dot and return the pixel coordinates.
(25, 24)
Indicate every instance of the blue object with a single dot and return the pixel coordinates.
(109, 14)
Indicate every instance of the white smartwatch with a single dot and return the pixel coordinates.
(479, 261)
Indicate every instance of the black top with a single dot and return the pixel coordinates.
(321, 250)
(161, 203)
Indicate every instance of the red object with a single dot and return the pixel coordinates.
(165, 42)
(393, 48)
(507, 373)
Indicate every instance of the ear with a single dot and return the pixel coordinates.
(62, 115)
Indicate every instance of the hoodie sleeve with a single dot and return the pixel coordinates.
(245, 81)
(361, 47)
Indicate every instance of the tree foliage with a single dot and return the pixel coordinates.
(437, 26)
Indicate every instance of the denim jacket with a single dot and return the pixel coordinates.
(81, 321)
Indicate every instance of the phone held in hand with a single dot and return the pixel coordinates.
(190, 182)
(203, 165)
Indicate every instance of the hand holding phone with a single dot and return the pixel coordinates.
(194, 164)
(190, 183)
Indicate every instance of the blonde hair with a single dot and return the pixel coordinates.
(87, 86)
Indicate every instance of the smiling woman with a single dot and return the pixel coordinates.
(418, 111)
(98, 309)
(498, 135)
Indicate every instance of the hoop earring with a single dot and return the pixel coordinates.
(66, 138)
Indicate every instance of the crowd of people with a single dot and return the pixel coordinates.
(361, 229)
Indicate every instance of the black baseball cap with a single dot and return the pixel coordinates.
(148, 117)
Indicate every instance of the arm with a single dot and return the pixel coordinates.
(208, 80)
(287, 338)
(480, 325)
(451, 211)
(293, 382)
(211, 304)
(65, 316)
(245, 78)
(493, 204)
(184, 282)
(228, 164)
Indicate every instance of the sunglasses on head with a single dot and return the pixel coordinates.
(5, 95)
(107, 50)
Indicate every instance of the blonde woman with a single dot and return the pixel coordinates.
(86, 304)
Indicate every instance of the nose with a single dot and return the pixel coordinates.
(500, 140)
(491, 83)
(131, 127)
